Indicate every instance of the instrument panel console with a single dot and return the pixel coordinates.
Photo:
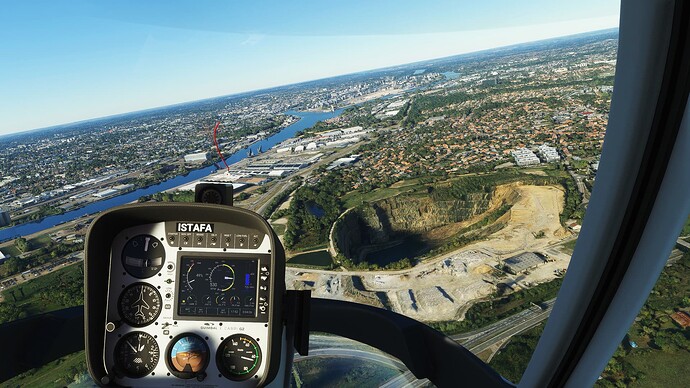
(190, 303)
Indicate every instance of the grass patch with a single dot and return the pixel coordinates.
(660, 368)
(488, 312)
(40, 241)
(60, 289)
(569, 246)
(511, 361)
(58, 373)
(355, 198)
(11, 250)
(407, 182)
(279, 228)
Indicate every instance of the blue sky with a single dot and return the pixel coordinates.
(67, 61)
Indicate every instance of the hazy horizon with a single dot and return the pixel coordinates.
(238, 93)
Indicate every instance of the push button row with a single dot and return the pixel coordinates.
(214, 240)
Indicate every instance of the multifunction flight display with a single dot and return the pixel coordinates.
(217, 287)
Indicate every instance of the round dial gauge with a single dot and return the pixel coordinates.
(222, 278)
(143, 256)
(136, 354)
(187, 356)
(139, 304)
(238, 357)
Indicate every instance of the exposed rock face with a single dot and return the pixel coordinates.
(397, 217)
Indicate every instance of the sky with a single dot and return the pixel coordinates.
(62, 62)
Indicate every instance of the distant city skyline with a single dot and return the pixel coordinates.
(83, 60)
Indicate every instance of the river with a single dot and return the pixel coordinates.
(307, 120)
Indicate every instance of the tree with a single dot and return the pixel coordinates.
(22, 244)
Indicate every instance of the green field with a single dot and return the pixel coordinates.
(487, 312)
(11, 250)
(60, 289)
(661, 369)
(355, 198)
(279, 228)
(512, 360)
(58, 373)
(569, 247)
(663, 352)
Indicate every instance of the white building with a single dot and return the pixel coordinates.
(548, 153)
(524, 157)
(196, 158)
(353, 129)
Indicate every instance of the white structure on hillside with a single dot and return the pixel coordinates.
(524, 157)
(548, 153)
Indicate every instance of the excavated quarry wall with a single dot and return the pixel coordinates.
(395, 218)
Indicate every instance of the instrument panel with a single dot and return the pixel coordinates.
(189, 304)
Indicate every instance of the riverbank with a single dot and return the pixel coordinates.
(308, 119)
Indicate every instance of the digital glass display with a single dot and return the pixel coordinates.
(217, 287)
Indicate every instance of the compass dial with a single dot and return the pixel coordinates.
(139, 304)
(136, 354)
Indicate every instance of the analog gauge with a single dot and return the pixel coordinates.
(187, 356)
(143, 256)
(207, 300)
(249, 301)
(238, 357)
(235, 300)
(136, 354)
(222, 278)
(139, 304)
(221, 300)
(192, 276)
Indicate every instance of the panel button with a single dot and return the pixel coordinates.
(213, 240)
(200, 240)
(255, 241)
(241, 241)
(186, 239)
(228, 240)
(173, 239)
